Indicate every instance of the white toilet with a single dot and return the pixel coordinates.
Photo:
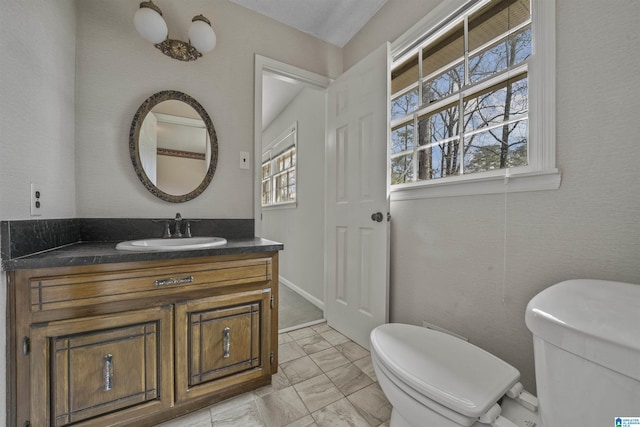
(586, 337)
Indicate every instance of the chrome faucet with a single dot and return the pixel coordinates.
(177, 230)
(178, 222)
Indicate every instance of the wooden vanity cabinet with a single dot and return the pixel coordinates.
(138, 343)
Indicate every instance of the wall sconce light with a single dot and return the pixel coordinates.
(151, 26)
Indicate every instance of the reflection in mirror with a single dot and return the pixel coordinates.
(279, 169)
(173, 146)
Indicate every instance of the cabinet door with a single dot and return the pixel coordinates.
(96, 366)
(224, 341)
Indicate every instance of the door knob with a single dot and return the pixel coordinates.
(377, 217)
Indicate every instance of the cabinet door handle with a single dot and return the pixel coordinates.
(108, 372)
(226, 343)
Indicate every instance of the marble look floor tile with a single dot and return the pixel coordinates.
(278, 382)
(313, 344)
(281, 407)
(339, 414)
(372, 404)
(300, 369)
(349, 379)
(201, 418)
(334, 337)
(289, 351)
(307, 421)
(352, 351)
(322, 327)
(367, 367)
(318, 392)
(302, 333)
(244, 415)
(329, 359)
(284, 338)
(384, 424)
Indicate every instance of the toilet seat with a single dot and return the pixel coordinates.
(443, 368)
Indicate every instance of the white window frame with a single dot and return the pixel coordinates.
(541, 172)
(268, 156)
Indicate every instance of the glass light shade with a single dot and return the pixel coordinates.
(202, 36)
(150, 25)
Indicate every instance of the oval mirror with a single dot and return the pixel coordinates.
(173, 146)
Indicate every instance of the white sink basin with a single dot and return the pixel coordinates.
(178, 244)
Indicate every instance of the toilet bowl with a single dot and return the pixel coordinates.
(586, 349)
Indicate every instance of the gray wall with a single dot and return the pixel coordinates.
(37, 41)
(302, 229)
(471, 264)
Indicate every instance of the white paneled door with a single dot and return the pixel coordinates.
(357, 202)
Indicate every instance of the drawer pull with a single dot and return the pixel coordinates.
(108, 372)
(174, 281)
(226, 346)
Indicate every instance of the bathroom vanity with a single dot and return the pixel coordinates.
(101, 337)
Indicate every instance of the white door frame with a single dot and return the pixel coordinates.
(262, 64)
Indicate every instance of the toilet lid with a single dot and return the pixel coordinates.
(446, 369)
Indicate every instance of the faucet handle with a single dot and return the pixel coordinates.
(187, 229)
(167, 230)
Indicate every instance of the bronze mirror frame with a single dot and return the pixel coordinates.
(134, 152)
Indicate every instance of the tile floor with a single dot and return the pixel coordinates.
(324, 380)
(294, 310)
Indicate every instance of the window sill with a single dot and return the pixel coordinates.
(494, 184)
(277, 206)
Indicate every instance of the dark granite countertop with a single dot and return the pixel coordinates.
(87, 253)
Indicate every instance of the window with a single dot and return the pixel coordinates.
(461, 102)
(279, 169)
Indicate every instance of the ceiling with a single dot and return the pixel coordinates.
(334, 21)
(277, 92)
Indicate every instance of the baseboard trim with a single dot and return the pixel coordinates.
(304, 325)
(304, 294)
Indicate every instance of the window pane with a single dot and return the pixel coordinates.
(495, 19)
(499, 148)
(402, 138)
(405, 75)
(497, 104)
(447, 49)
(440, 159)
(405, 104)
(488, 62)
(266, 170)
(507, 52)
(438, 126)
(443, 84)
(266, 192)
(402, 169)
(520, 46)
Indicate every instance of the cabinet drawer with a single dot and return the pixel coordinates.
(222, 341)
(58, 292)
(101, 365)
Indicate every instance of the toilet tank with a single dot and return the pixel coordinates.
(586, 338)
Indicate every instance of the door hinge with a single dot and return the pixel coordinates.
(26, 346)
(273, 301)
(27, 424)
(272, 357)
